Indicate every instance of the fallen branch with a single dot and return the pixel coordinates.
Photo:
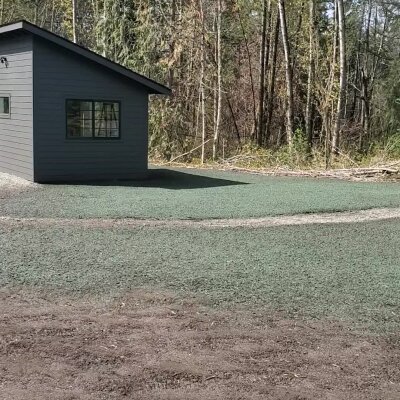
(189, 152)
(373, 171)
(335, 173)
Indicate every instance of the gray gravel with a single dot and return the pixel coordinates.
(11, 182)
(377, 214)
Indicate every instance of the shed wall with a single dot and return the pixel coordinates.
(16, 141)
(60, 75)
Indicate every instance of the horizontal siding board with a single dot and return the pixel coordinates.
(18, 57)
(19, 82)
(15, 90)
(18, 148)
(22, 115)
(22, 159)
(25, 161)
(24, 108)
(16, 164)
(23, 173)
(16, 132)
(16, 75)
(66, 168)
(15, 52)
(18, 69)
(21, 99)
(14, 45)
(15, 121)
(16, 135)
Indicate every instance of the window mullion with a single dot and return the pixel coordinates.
(93, 120)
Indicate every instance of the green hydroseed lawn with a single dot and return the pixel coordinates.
(182, 194)
(347, 271)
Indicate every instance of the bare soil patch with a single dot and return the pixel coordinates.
(150, 345)
(284, 220)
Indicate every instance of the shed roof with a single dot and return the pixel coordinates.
(24, 26)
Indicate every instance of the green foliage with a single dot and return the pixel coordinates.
(299, 156)
(114, 34)
(296, 156)
(300, 145)
(164, 141)
(393, 146)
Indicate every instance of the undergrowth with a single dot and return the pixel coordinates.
(297, 157)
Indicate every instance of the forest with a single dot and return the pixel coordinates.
(289, 82)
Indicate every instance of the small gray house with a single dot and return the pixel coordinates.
(68, 114)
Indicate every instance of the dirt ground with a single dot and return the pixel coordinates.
(151, 345)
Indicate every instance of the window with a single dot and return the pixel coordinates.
(89, 119)
(4, 105)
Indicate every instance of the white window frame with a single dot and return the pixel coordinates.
(3, 115)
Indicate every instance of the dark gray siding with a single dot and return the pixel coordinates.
(60, 75)
(16, 143)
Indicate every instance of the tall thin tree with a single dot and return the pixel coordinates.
(202, 83)
(311, 75)
(219, 80)
(272, 80)
(74, 19)
(343, 79)
(288, 71)
(263, 53)
(1, 12)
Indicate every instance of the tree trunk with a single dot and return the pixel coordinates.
(172, 43)
(36, 14)
(366, 109)
(103, 31)
(327, 107)
(253, 92)
(343, 79)
(260, 127)
(219, 80)
(271, 94)
(74, 13)
(311, 76)
(297, 36)
(53, 14)
(289, 75)
(202, 84)
(2, 12)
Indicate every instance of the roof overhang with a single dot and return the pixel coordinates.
(153, 87)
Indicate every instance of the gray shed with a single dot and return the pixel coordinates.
(68, 114)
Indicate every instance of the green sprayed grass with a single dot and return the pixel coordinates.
(175, 194)
(349, 271)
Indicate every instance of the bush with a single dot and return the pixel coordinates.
(393, 146)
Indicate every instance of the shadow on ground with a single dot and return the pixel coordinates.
(177, 180)
(168, 179)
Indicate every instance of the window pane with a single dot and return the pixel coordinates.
(4, 105)
(79, 118)
(106, 116)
